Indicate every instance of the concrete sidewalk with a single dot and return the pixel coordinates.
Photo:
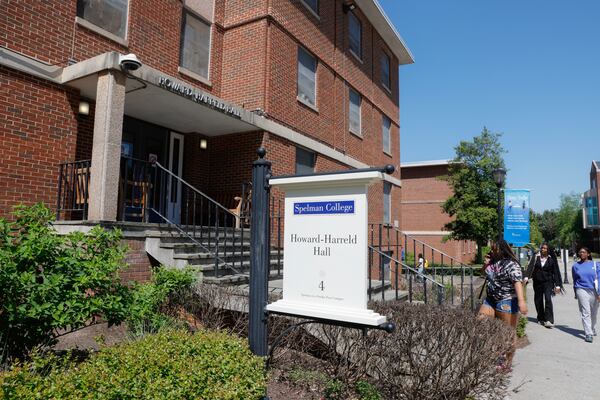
(558, 364)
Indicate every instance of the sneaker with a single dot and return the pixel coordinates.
(589, 338)
(548, 324)
(541, 322)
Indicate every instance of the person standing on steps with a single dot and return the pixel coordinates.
(544, 270)
(420, 265)
(586, 274)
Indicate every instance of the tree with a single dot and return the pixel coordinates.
(547, 222)
(535, 234)
(473, 204)
(569, 221)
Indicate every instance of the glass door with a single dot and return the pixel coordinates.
(173, 184)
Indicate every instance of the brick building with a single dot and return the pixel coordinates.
(314, 82)
(591, 212)
(423, 193)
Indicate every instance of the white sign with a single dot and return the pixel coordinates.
(325, 247)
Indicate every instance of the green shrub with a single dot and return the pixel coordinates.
(366, 391)
(52, 284)
(148, 311)
(521, 326)
(169, 365)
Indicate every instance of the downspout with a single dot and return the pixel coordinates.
(267, 73)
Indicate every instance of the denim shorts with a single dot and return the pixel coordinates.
(509, 306)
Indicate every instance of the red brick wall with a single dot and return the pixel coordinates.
(139, 264)
(38, 127)
(423, 193)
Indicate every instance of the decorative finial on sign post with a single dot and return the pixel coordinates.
(389, 169)
(262, 152)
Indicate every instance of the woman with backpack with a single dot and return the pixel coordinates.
(544, 270)
(586, 274)
(504, 287)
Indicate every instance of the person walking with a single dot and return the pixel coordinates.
(586, 274)
(543, 269)
(504, 285)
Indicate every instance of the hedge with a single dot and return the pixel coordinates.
(168, 365)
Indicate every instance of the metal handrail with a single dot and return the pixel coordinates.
(393, 238)
(434, 284)
(180, 227)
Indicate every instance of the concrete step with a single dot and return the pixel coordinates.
(203, 258)
(244, 266)
(191, 247)
(236, 279)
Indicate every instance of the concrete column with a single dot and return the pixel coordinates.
(106, 146)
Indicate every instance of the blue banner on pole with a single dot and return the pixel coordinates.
(516, 216)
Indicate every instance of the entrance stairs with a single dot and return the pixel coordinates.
(228, 263)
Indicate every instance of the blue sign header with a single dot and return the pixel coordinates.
(324, 207)
(516, 217)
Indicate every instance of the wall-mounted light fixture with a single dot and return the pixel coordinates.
(84, 108)
(348, 6)
(203, 144)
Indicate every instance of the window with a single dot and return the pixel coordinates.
(195, 45)
(354, 112)
(305, 161)
(313, 5)
(385, 71)
(307, 77)
(386, 127)
(355, 35)
(387, 202)
(110, 15)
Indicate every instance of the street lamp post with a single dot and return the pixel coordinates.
(499, 177)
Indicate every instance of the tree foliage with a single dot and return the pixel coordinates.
(51, 284)
(547, 221)
(535, 234)
(473, 204)
(569, 222)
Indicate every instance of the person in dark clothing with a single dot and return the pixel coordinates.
(544, 270)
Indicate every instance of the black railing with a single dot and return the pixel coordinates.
(457, 278)
(73, 190)
(154, 194)
(394, 280)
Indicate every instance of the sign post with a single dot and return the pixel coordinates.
(259, 256)
(326, 248)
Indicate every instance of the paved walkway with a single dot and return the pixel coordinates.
(558, 364)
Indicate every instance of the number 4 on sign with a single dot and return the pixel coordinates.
(322, 286)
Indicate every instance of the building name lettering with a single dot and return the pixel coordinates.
(324, 239)
(198, 97)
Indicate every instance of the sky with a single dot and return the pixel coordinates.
(529, 69)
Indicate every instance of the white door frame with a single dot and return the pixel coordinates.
(174, 193)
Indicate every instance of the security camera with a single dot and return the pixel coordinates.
(129, 62)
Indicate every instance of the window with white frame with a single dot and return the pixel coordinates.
(307, 77)
(305, 161)
(385, 71)
(387, 203)
(355, 34)
(386, 127)
(312, 4)
(195, 45)
(354, 112)
(109, 15)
